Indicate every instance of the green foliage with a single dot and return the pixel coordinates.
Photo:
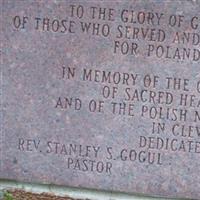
(8, 196)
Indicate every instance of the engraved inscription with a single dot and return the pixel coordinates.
(102, 95)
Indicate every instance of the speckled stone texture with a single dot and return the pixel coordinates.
(102, 95)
